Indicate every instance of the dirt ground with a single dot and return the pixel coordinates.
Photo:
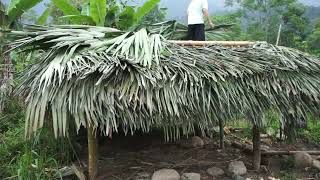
(126, 158)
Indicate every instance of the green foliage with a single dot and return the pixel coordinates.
(313, 40)
(312, 133)
(107, 13)
(233, 33)
(11, 114)
(17, 7)
(98, 10)
(66, 7)
(126, 18)
(145, 9)
(288, 176)
(44, 17)
(37, 158)
(156, 15)
(262, 20)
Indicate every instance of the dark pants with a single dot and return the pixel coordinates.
(196, 32)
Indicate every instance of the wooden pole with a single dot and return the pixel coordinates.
(206, 43)
(221, 134)
(92, 154)
(279, 34)
(256, 147)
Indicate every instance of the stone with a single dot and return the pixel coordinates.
(272, 178)
(190, 176)
(214, 171)
(302, 160)
(318, 158)
(197, 142)
(267, 141)
(166, 174)
(206, 140)
(316, 164)
(238, 177)
(237, 168)
(264, 148)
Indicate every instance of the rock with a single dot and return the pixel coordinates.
(207, 140)
(190, 176)
(214, 171)
(272, 178)
(318, 158)
(266, 141)
(166, 174)
(237, 168)
(197, 142)
(302, 160)
(264, 148)
(143, 176)
(238, 177)
(316, 164)
(226, 130)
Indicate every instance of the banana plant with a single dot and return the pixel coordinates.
(103, 13)
(14, 11)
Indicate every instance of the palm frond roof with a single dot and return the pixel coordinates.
(133, 81)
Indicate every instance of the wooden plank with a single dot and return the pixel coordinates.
(206, 43)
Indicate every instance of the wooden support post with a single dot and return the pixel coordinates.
(221, 134)
(256, 147)
(92, 154)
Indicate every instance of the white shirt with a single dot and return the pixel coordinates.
(195, 11)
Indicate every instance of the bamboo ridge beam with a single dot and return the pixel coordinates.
(206, 43)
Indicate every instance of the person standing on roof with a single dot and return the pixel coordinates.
(197, 10)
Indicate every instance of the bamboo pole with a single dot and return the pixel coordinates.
(279, 34)
(92, 154)
(206, 43)
(256, 147)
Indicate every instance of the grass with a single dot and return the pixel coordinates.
(38, 158)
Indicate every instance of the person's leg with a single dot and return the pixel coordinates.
(199, 33)
(191, 32)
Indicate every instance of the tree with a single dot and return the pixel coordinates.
(9, 18)
(295, 26)
(313, 40)
(261, 19)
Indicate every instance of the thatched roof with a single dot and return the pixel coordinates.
(139, 81)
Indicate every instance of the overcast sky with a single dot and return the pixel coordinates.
(177, 8)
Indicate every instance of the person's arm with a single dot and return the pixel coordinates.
(206, 13)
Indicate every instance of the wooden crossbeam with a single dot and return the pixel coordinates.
(206, 43)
